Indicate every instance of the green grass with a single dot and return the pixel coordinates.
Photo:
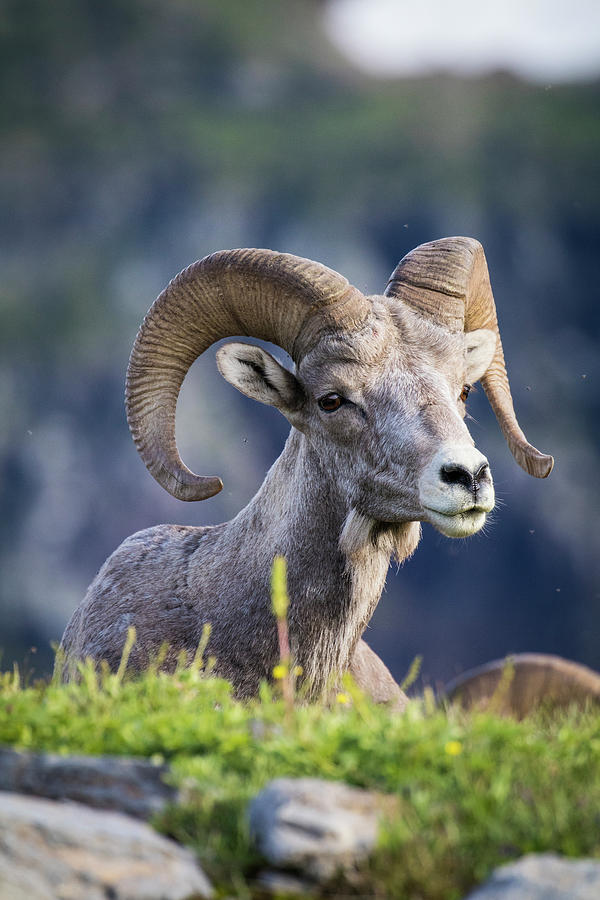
(472, 791)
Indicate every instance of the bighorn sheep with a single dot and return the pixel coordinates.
(378, 445)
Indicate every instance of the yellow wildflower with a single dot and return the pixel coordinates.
(342, 698)
(280, 671)
(453, 748)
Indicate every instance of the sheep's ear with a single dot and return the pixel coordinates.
(480, 346)
(258, 375)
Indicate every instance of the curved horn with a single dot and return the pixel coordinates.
(448, 282)
(257, 293)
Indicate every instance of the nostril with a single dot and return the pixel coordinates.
(453, 473)
(482, 472)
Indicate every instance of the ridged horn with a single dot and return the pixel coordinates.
(272, 296)
(447, 281)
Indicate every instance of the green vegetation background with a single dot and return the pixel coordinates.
(140, 135)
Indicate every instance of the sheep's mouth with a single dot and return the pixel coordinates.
(457, 525)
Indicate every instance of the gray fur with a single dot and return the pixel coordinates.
(344, 496)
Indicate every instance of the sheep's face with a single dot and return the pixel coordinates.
(383, 408)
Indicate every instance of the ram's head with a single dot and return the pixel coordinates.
(379, 385)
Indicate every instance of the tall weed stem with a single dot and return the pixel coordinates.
(280, 603)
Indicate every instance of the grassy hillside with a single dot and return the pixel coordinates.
(472, 791)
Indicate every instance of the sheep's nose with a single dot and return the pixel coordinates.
(456, 473)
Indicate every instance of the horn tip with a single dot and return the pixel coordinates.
(185, 485)
(533, 462)
(540, 465)
(549, 465)
(201, 488)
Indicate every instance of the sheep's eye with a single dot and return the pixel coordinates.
(465, 392)
(330, 402)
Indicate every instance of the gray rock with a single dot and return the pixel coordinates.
(283, 884)
(543, 876)
(315, 826)
(135, 787)
(66, 851)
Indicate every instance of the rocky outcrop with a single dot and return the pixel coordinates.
(317, 827)
(66, 851)
(543, 876)
(132, 786)
(308, 830)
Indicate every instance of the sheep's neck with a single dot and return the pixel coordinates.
(299, 513)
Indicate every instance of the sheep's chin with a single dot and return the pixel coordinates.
(459, 525)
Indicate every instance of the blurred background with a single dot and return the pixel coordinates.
(140, 135)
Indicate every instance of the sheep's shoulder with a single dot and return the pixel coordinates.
(145, 584)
